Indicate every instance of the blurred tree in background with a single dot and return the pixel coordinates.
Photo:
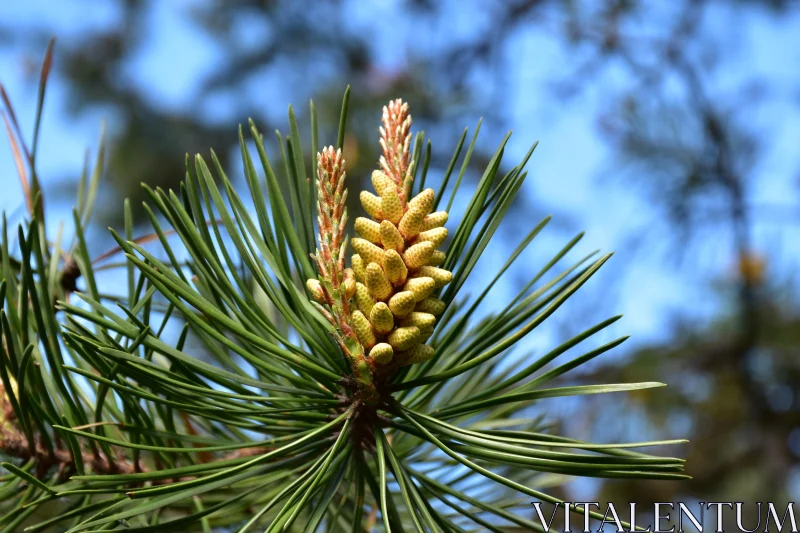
(689, 137)
(695, 142)
(274, 45)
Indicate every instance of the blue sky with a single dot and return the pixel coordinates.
(565, 170)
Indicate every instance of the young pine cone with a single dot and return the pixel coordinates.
(396, 268)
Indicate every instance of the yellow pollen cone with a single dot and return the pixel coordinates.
(315, 288)
(419, 319)
(437, 258)
(369, 229)
(364, 300)
(369, 252)
(377, 283)
(371, 204)
(391, 237)
(421, 287)
(382, 183)
(423, 201)
(418, 354)
(431, 305)
(434, 220)
(363, 329)
(435, 235)
(359, 268)
(411, 223)
(440, 276)
(391, 207)
(396, 270)
(382, 353)
(425, 334)
(402, 303)
(403, 338)
(349, 288)
(382, 318)
(349, 282)
(418, 255)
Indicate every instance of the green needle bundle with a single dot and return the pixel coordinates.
(210, 393)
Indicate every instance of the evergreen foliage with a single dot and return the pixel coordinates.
(290, 419)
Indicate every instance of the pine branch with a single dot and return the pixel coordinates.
(298, 411)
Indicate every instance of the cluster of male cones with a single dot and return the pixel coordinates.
(396, 268)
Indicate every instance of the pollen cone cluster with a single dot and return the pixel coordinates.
(335, 286)
(397, 260)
